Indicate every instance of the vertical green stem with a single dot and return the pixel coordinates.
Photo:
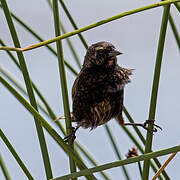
(63, 80)
(155, 87)
(27, 80)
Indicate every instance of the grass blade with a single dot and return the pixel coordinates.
(46, 125)
(41, 40)
(143, 141)
(91, 26)
(13, 152)
(63, 81)
(140, 148)
(121, 163)
(175, 31)
(27, 80)
(50, 112)
(155, 87)
(4, 168)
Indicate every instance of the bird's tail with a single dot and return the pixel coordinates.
(120, 119)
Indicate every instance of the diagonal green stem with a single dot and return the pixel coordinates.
(27, 80)
(177, 4)
(18, 159)
(175, 31)
(4, 168)
(143, 157)
(155, 87)
(63, 81)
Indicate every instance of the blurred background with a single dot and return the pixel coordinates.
(137, 37)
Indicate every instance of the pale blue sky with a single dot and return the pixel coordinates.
(137, 37)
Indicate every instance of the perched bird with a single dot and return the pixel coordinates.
(98, 90)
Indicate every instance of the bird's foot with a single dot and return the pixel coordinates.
(71, 135)
(145, 125)
(151, 122)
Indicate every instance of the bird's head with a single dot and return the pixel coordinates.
(101, 54)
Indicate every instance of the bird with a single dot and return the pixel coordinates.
(98, 90)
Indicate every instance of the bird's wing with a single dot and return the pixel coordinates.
(75, 85)
(120, 79)
(74, 88)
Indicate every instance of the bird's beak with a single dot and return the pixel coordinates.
(114, 53)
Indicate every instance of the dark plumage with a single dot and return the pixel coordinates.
(98, 90)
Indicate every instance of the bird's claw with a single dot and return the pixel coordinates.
(151, 122)
(71, 135)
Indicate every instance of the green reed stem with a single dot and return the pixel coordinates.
(99, 23)
(49, 113)
(175, 31)
(40, 39)
(46, 125)
(4, 168)
(155, 87)
(27, 80)
(63, 81)
(18, 159)
(143, 141)
(177, 6)
(121, 163)
(140, 148)
(79, 146)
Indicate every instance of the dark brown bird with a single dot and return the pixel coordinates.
(98, 90)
